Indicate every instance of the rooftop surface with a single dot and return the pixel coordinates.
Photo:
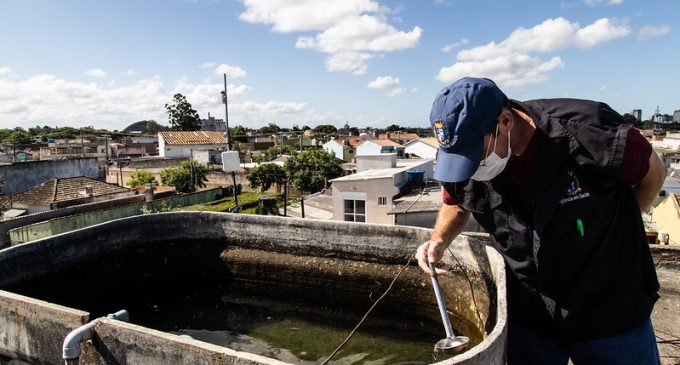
(195, 137)
(427, 200)
(402, 165)
(59, 190)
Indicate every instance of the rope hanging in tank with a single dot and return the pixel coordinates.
(369, 311)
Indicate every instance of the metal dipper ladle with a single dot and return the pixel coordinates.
(451, 342)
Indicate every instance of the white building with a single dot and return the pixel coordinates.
(379, 146)
(423, 148)
(670, 142)
(183, 144)
(368, 195)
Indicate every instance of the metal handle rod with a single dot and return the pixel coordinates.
(441, 303)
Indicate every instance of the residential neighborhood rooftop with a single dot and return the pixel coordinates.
(383, 142)
(58, 190)
(426, 200)
(402, 165)
(195, 137)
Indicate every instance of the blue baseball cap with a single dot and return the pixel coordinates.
(461, 114)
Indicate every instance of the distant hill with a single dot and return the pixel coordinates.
(145, 127)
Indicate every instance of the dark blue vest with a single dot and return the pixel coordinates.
(579, 266)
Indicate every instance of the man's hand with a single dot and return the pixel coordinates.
(431, 251)
(450, 222)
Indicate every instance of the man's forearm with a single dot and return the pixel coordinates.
(450, 223)
(650, 185)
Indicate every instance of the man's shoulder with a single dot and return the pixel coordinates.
(566, 107)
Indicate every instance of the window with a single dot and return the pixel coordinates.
(382, 200)
(355, 211)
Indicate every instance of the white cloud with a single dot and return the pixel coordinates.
(395, 92)
(349, 32)
(130, 72)
(651, 31)
(414, 90)
(592, 3)
(96, 72)
(232, 72)
(207, 65)
(46, 99)
(383, 82)
(5, 70)
(512, 63)
(449, 47)
(353, 62)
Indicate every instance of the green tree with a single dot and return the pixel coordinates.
(186, 177)
(265, 175)
(393, 128)
(309, 171)
(141, 177)
(182, 116)
(270, 128)
(325, 129)
(648, 124)
(629, 118)
(18, 135)
(237, 131)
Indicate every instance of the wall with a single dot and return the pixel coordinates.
(372, 188)
(23, 175)
(666, 217)
(335, 148)
(421, 149)
(368, 148)
(66, 224)
(7, 225)
(184, 151)
(376, 161)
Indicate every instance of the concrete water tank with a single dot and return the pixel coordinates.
(54, 285)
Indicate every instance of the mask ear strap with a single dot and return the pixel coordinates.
(509, 143)
(495, 139)
(489, 147)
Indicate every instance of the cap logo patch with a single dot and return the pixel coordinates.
(441, 132)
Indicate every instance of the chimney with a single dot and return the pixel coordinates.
(86, 191)
(148, 192)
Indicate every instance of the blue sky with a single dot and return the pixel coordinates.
(303, 62)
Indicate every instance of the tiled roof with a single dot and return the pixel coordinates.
(353, 141)
(402, 136)
(431, 141)
(385, 142)
(196, 137)
(59, 190)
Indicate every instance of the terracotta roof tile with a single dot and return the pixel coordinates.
(60, 190)
(196, 137)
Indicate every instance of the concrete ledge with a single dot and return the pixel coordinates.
(478, 272)
(31, 330)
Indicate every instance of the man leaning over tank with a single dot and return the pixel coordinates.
(559, 184)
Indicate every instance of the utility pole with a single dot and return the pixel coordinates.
(226, 120)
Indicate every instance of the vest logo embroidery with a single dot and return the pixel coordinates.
(574, 191)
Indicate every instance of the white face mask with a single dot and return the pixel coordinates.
(493, 165)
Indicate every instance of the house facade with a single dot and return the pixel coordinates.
(666, 218)
(183, 144)
(368, 195)
(423, 148)
(380, 146)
